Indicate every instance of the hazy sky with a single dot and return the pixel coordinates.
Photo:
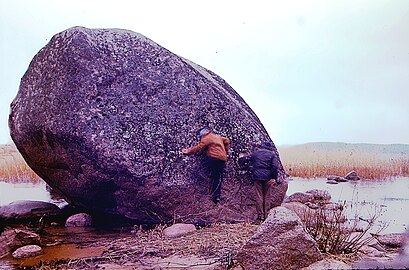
(311, 70)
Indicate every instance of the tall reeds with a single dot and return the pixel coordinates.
(306, 161)
(309, 161)
(18, 173)
(13, 168)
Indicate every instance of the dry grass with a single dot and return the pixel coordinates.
(307, 161)
(335, 235)
(219, 242)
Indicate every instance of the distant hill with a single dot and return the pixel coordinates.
(378, 151)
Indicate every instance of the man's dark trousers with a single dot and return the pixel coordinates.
(216, 167)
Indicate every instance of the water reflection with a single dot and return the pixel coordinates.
(23, 191)
(390, 198)
(31, 189)
(61, 243)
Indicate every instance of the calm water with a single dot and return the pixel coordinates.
(38, 191)
(388, 197)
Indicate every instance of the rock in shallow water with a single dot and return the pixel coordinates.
(12, 239)
(27, 251)
(28, 210)
(79, 220)
(101, 116)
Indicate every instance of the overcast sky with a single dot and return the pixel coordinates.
(311, 70)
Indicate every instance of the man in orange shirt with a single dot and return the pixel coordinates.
(216, 148)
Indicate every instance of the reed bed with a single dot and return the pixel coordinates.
(306, 161)
(13, 168)
(313, 162)
(18, 174)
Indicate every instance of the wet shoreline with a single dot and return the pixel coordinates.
(389, 198)
(62, 245)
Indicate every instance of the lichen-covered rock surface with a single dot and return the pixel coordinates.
(101, 116)
(280, 242)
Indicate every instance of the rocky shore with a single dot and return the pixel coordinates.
(277, 242)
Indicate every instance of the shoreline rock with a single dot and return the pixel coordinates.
(27, 251)
(18, 211)
(12, 239)
(393, 240)
(352, 175)
(178, 229)
(280, 242)
(79, 220)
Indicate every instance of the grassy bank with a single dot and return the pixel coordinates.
(323, 159)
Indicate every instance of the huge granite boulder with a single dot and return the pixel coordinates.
(101, 116)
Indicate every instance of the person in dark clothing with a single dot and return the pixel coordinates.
(264, 171)
(216, 148)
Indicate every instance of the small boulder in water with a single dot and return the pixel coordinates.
(79, 220)
(27, 251)
(352, 175)
(13, 238)
(320, 195)
(300, 197)
(26, 210)
(332, 182)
